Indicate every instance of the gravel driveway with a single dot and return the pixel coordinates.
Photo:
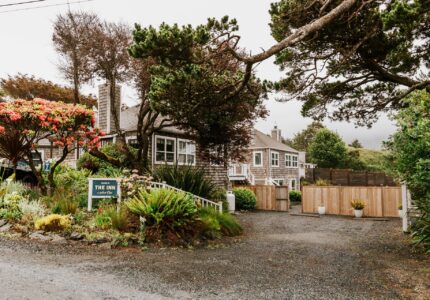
(281, 256)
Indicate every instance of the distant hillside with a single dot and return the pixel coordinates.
(374, 159)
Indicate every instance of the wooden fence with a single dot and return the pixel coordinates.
(270, 197)
(349, 177)
(380, 201)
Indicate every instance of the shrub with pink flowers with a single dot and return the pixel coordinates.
(23, 124)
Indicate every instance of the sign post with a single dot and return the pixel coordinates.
(100, 188)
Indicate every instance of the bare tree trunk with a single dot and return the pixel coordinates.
(38, 173)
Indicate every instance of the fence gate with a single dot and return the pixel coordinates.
(271, 197)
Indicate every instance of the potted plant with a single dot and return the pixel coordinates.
(358, 206)
(400, 207)
(321, 209)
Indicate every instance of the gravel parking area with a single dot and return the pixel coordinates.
(280, 257)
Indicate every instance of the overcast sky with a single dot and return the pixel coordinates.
(26, 47)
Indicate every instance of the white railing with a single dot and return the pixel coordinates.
(204, 202)
(270, 181)
(241, 170)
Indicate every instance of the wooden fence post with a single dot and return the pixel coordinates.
(404, 208)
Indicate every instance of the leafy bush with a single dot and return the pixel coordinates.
(220, 194)
(186, 178)
(168, 214)
(31, 210)
(245, 199)
(322, 182)
(357, 204)
(411, 159)
(9, 206)
(96, 165)
(217, 224)
(66, 206)
(110, 217)
(53, 223)
(295, 196)
(102, 220)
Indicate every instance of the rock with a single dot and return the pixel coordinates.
(102, 240)
(3, 222)
(5, 228)
(38, 236)
(76, 236)
(58, 239)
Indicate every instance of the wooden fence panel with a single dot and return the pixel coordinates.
(270, 197)
(380, 201)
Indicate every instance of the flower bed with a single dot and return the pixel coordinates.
(146, 215)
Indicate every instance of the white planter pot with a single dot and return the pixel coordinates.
(321, 210)
(358, 213)
(401, 213)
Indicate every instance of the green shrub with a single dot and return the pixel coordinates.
(295, 196)
(245, 199)
(31, 210)
(66, 206)
(163, 206)
(118, 218)
(217, 224)
(322, 182)
(9, 206)
(186, 178)
(98, 166)
(169, 215)
(102, 220)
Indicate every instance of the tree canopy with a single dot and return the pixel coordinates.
(364, 63)
(194, 85)
(327, 150)
(303, 139)
(29, 87)
(411, 158)
(23, 124)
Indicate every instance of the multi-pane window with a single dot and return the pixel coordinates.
(258, 159)
(274, 159)
(291, 161)
(133, 143)
(164, 150)
(186, 152)
(105, 142)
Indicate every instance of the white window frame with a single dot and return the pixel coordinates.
(131, 137)
(253, 158)
(155, 149)
(290, 162)
(186, 154)
(271, 159)
(290, 184)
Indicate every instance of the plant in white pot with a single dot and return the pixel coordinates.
(358, 206)
(400, 211)
(321, 209)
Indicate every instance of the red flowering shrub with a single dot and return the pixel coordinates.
(24, 123)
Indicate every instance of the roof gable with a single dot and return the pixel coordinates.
(261, 140)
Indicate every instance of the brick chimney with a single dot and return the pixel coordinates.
(276, 134)
(104, 119)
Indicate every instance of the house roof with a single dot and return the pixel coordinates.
(261, 140)
(129, 119)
